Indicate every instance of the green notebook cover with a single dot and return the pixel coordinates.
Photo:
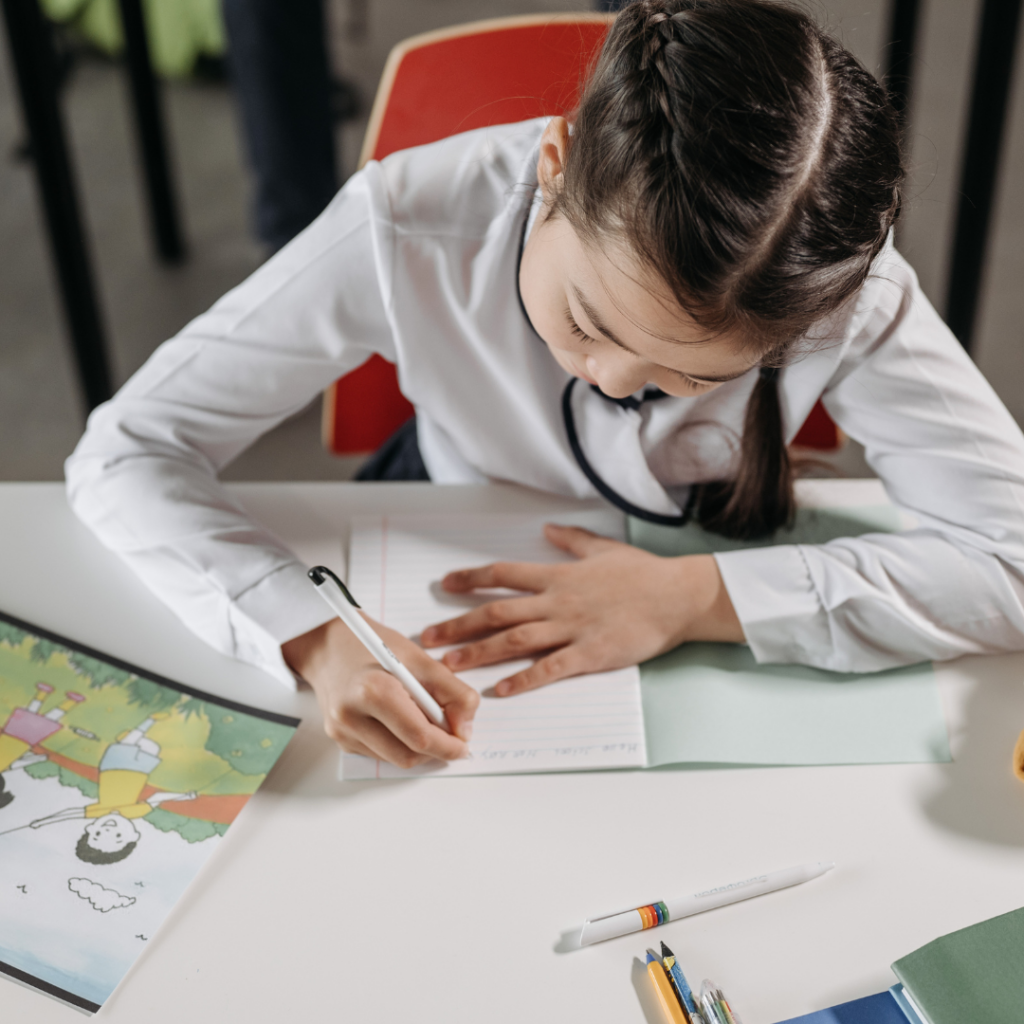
(974, 975)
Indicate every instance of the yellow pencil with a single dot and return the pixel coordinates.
(669, 1004)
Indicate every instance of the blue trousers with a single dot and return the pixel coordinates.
(277, 54)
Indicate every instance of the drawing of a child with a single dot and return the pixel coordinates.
(25, 727)
(110, 834)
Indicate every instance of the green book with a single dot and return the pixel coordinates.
(974, 975)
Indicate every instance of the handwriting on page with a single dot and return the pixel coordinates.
(593, 721)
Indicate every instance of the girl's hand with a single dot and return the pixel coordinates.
(367, 710)
(616, 606)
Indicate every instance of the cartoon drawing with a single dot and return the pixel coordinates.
(143, 769)
(125, 767)
(97, 896)
(25, 727)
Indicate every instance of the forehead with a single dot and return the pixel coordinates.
(641, 310)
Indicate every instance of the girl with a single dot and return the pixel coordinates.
(644, 305)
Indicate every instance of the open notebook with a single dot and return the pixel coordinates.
(595, 721)
(704, 704)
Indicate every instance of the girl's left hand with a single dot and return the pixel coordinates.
(615, 606)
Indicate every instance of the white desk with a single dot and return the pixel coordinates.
(316, 908)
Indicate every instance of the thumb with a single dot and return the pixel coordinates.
(577, 541)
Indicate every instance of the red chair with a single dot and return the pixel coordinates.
(450, 81)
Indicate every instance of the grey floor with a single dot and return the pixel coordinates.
(41, 414)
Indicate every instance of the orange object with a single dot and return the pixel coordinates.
(666, 997)
(1018, 758)
(439, 84)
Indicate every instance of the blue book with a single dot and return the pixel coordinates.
(885, 1008)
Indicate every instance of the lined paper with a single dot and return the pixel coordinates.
(585, 723)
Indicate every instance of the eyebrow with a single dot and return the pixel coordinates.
(595, 318)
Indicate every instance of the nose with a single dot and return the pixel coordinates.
(618, 374)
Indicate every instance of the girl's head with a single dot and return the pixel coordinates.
(729, 177)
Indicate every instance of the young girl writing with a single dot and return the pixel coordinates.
(643, 305)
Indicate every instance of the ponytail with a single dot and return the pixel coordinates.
(760, 500)
(753, 165)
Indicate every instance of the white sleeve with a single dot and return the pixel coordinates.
(144, 475)
(949, 453)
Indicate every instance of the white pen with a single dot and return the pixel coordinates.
(344, 604)
(611, 926)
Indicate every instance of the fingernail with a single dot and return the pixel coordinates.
(502, 689)
(428, 635)
(454, 658)
(465, 731)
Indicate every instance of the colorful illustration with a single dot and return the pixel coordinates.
(115, 788)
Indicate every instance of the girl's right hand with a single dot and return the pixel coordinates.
(367, 710)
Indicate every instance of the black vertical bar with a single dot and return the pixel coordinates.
(34, 61)
(903, 19)
(993, 70)
(149, 124)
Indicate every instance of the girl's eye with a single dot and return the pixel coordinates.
(698, 385)
(576, 330)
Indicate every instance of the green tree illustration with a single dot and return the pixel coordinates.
(250, 745)
(99, 672)
(192, 830)
(11, 635)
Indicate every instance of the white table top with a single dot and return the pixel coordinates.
(441, 900)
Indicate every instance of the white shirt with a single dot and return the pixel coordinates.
(417, 259)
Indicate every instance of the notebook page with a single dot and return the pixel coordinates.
(590, 722)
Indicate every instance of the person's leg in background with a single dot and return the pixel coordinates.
(277, 53)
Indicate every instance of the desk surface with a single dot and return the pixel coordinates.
(318, 887)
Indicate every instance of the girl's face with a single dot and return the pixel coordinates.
(606, 320)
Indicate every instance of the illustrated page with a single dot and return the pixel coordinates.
(115, 788)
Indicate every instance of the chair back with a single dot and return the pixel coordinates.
(439, 84)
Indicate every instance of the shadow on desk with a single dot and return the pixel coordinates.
(979, 796)
(645, 993)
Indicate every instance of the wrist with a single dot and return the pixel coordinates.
(303, 654)
(711, 615)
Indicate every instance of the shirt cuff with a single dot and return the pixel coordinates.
(773, 594)
(279, 608)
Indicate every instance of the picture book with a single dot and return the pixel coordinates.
(116, 785)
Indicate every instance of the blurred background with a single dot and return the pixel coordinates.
(211, 145)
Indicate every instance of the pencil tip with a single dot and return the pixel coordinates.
(665, 951)
(651, 958)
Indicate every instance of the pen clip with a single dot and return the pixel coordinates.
(317, 574)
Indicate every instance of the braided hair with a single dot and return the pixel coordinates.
(754, 165)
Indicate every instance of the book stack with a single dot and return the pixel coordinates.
(972, 976)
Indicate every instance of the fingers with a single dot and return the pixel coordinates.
(577, 541)
(382, 717)
(560, 664)
(495, 615)
(458, 700)
(517, 642)
(513, 575)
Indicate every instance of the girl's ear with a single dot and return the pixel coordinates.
(554, 148)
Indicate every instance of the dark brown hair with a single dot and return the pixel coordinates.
(754, 165)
